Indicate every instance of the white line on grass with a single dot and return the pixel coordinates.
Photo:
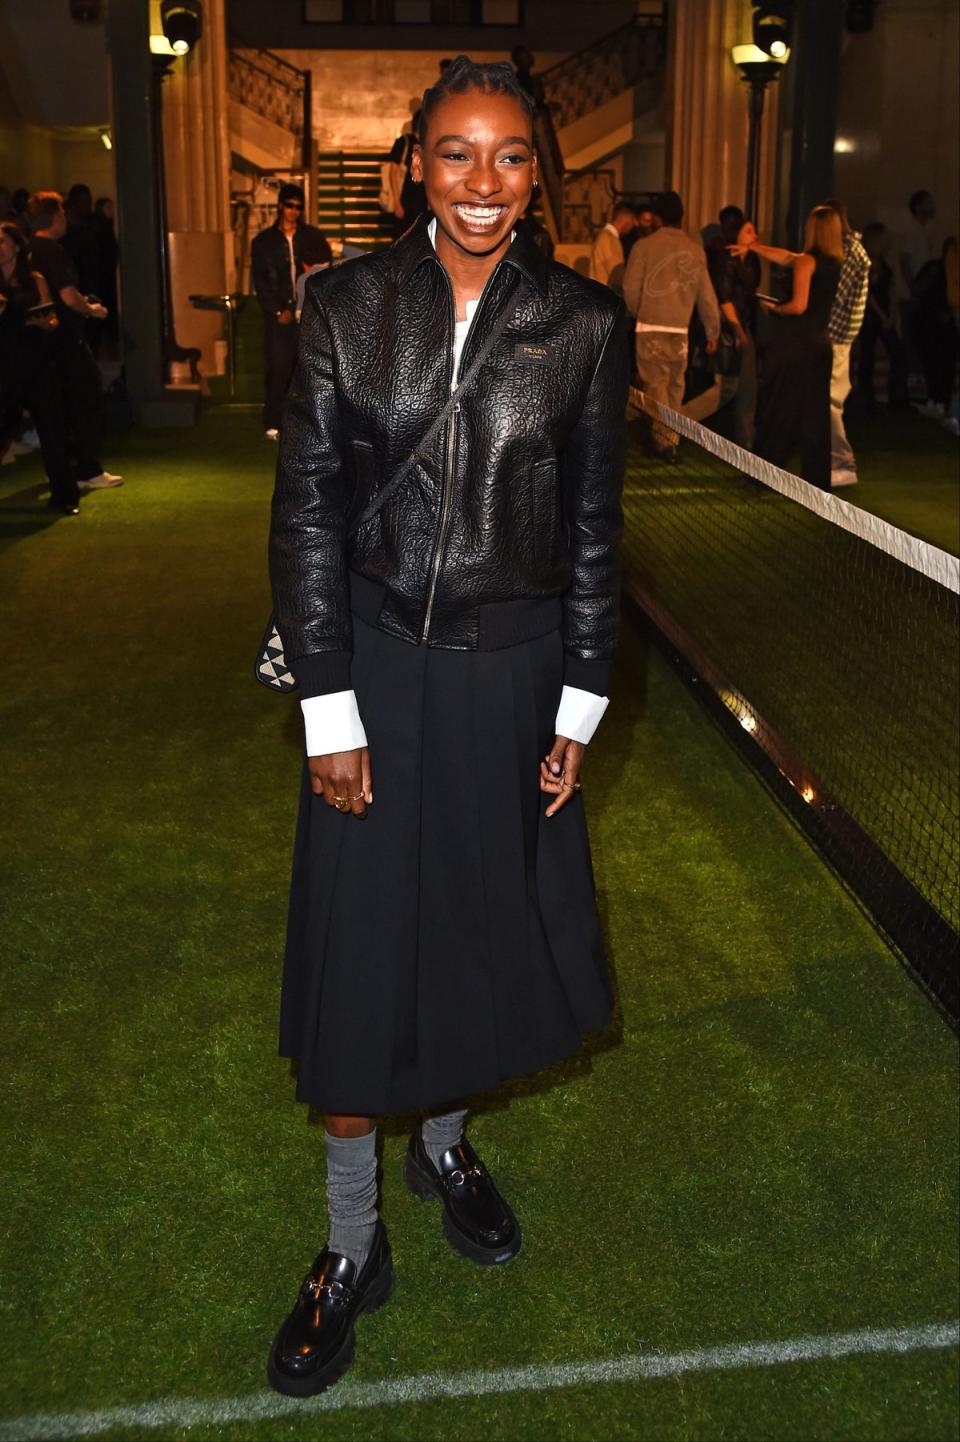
(428, 1386)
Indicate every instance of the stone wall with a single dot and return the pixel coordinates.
(362, 99)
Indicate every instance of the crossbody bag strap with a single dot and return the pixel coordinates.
(405, 467)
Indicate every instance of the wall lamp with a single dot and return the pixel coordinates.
(771, 28)
(182, 24)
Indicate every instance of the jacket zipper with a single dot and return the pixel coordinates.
(450, 459)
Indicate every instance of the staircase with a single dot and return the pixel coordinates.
(599, 102)
(347, 187)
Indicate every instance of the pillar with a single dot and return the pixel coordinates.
(707, 113)
(197, 159)
(128, 34)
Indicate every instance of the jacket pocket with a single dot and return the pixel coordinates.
(545, 512)
(364, 472)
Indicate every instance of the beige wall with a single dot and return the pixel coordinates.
(899, 114)
(362, 98)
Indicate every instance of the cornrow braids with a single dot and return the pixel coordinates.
(464, 74)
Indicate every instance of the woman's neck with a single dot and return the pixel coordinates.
(468, 273)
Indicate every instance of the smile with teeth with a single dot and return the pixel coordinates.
(479, 217)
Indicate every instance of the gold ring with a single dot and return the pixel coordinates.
(341, 803)
(357, 798)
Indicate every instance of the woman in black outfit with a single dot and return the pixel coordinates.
(452, 650)
(793, 406)
(28, 370)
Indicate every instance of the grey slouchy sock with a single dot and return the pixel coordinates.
(352, 1195)
(441, 1133)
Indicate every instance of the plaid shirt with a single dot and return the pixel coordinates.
(850, 301)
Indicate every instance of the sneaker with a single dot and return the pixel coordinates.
(842, 478)
(933, 410)
(272, 434)
(101, 482)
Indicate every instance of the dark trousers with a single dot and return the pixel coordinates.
(793, 411)
(873, 331)
(936, 337)
(281, 357)
(83, 398)
(36, 386)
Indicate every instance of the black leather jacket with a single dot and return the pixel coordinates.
(270, 263)
(510, 525)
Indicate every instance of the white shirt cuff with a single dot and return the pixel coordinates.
(579, 713)
(332, 723)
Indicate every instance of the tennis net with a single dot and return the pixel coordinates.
(828, 642)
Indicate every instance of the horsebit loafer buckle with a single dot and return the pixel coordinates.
(336, 1291)
(459, 1176)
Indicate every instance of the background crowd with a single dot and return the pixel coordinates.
(58, 306)
(706, 332)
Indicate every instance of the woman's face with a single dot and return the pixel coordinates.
(8, 249)
(478, 168)
(746, 235)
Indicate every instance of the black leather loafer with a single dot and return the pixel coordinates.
(315, 1345)
(476, 1220)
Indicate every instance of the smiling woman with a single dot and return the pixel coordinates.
(444, 559)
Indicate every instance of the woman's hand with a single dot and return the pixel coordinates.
(343, 779)
(560, 772)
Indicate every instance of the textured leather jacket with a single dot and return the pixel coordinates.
(509, 526)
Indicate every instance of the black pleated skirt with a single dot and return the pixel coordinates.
(450, 940)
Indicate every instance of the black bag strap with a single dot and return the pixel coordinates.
(405, 467)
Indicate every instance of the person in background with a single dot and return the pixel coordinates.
(523, 63)
(19, 201)
(276, 261)
(28, 371)
(935, 329)
(664, 279)
(79, 374)
(411, 201)
(846, 318)
(645, 224)
(879, 325)
(793, 409)
(539, 233)
(314, 257)
(916, 246)
(606, 257)
(735, 274)
(107, 254)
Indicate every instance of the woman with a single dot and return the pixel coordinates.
(793, 406)
(452, 652)
(28, 372)
(879, 325)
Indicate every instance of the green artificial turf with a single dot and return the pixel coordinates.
(764, 1146)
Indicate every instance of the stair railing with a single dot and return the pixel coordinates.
(616, 62)
(278, 91)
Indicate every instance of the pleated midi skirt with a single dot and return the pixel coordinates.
(451, 940)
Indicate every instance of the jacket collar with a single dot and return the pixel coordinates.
(414, 248)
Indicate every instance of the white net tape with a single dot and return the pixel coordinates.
(929, 560)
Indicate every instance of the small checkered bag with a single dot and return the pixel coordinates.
(271, 668)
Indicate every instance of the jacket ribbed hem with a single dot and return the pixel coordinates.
(587, 675)
(322, 673)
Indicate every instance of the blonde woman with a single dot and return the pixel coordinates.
(793, 410)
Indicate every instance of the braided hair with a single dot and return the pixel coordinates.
(464, 74)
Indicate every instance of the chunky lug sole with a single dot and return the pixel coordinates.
(308, 1386)
(423, 1186)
